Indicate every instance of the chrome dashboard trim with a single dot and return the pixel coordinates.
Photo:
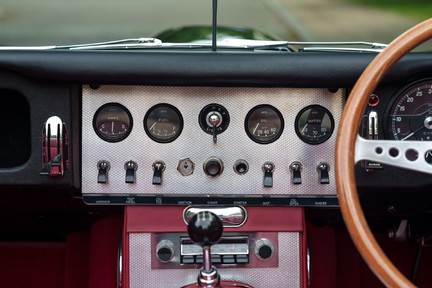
(231, 216)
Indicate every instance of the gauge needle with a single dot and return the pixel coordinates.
(303, 129)
(112, 127)
(256, 127)
(412, 133)
(154, 124)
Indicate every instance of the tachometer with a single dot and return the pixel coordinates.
(411, 113)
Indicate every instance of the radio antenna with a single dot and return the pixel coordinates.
(214, 25)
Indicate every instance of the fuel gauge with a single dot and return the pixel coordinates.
(163, 123)
(112, 122)
(314, 124)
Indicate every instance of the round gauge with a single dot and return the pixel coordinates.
(314, 124)
(264, 124)
(410, 115)
(112, 122)
(163, 123)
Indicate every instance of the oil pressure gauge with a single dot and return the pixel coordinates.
(163, 123)
(112, 122)
(264, 124)
(314, 124)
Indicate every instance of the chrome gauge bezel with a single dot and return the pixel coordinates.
(124, 116)
(178, 121)
(299, 130)
(396, 100)
(250, 127)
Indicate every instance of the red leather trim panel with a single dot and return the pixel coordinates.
(153, 219)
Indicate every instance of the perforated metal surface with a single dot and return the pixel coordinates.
(193, 143)
(286, 275)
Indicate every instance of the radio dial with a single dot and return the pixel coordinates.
(264, 249)
(165, 251)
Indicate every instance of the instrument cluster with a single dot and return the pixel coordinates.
(163, 123)
(195, 145)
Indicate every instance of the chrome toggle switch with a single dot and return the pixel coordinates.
(158, 169)
(55, 158)
(323, 169)
(103, 168)
(268, 168)
(296, 168)
(130, 168)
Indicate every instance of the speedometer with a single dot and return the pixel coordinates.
(411, 113)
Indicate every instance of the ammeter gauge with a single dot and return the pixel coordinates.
(314, 124)
(163, 123)
(112, 122)
(264, 124)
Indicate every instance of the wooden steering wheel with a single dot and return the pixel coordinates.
(351, 148)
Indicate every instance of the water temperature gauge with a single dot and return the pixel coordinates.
(264, 124)
(314, 124)
(112, 122)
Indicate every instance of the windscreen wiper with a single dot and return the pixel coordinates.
(228, 43)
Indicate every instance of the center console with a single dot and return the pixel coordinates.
(267, 250)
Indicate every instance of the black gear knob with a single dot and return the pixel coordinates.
(205, 228)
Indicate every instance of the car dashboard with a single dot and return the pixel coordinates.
(150, 135)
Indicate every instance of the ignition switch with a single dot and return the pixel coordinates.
(214, 120)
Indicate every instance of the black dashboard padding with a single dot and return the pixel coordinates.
(234, 68)
(44, 100)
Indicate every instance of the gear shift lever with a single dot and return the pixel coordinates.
(205, 229)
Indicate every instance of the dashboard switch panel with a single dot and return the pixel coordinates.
(183, 130)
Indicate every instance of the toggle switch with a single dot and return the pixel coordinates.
(103, 168)
(296, 168)
(158, 169)
(268, 168)
(130, 168)
(323, 171)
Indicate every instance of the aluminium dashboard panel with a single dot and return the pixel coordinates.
(197, 146)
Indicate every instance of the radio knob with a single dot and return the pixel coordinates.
(165, 251)
(264, 249)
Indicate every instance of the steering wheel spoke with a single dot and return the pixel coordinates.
(411, 155)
